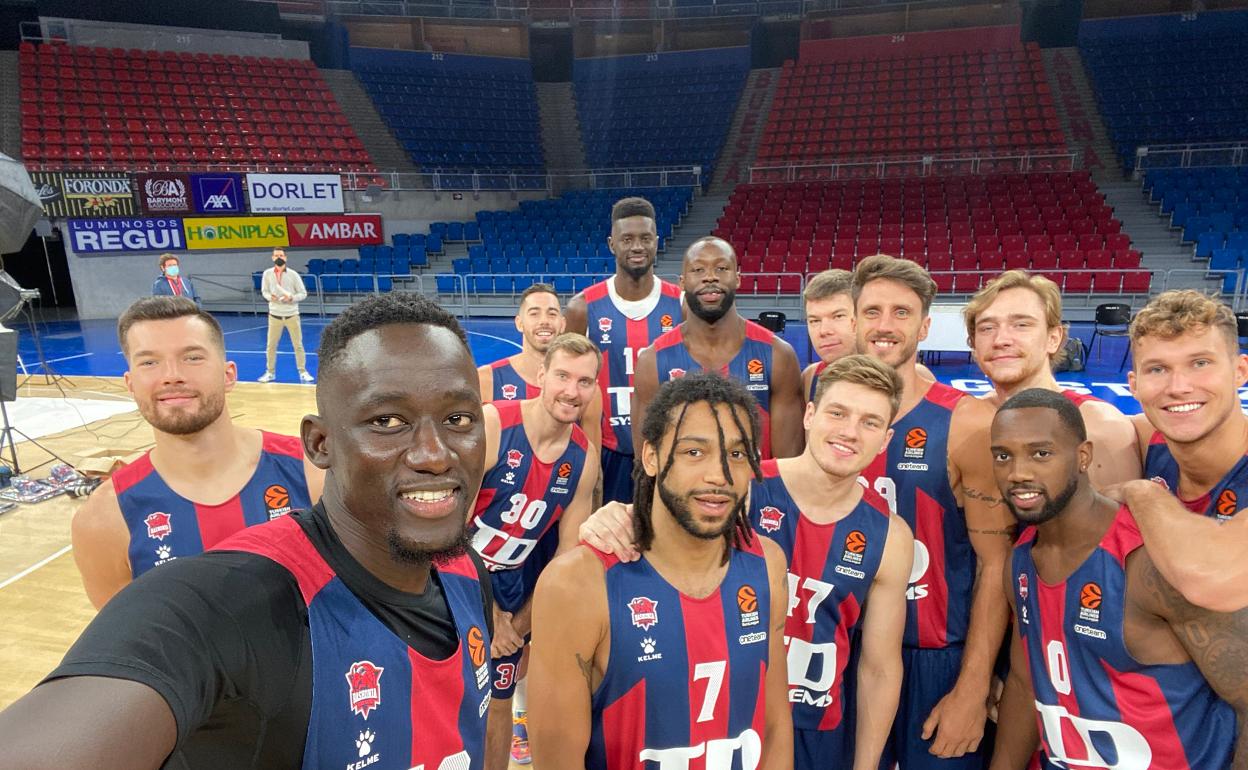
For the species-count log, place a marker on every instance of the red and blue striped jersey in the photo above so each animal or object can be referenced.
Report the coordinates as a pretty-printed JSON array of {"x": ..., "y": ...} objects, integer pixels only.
[
  {"x": 508, "y": 384},
  {"x": 1222, "y": 502},
  {"x": 1079, "y": 399},
  {"x": 912, "y": 475},
  {"x": 620, "y": 339},
  {"x": 684, "y": 687},
  {"x": 369, "y": 688},
  {"x": 814, "y": 380},
  {"x": 751, "y": 366},
  {"x": 521, "y": 499},
  {"x": 164, "y": 525},
  {"x": 1098, "y": 706},
  {"x": 831, "y": 569}
]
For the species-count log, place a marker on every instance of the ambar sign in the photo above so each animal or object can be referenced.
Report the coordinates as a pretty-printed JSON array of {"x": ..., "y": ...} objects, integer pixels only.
[
  {"x": 346, "y": 230},
  {"x": 235, "y": 232}
]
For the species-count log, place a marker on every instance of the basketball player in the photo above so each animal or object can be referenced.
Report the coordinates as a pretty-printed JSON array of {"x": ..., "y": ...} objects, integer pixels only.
[
  {"x": 628, "y": 311},
  {"x": 679, "y": 655},
  {"x": 936, "y": 473},
  {"x": 539, "y": 483},
  {"x": 1122, "y": 670},
  {"x": 1015, "y": 330},
  {"x": 206, "y": 478},
  {"x": 715, "y": 338},
  {"x": 1186, "y": 374},
  {"x": 354, "y": 634}
]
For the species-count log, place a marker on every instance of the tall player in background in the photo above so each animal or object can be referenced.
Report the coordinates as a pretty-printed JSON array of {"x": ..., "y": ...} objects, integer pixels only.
[
  {"x": 829, "y": 302},
  {"x": 1015, "y": 330},
  {"x": 678, "y": 656},
  {"x": 539, "y": 320},
  {"x": 206, "y": 478},
  {"x": 1123, "y": 671},
  {"x": 715, "y": 338},
  {"x": 936, "y": 472},
  {"x": 539, "y": 483},
  {"x": 627, "y": 312}
]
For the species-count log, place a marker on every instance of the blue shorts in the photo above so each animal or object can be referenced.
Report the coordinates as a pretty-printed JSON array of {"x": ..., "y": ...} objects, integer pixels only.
[
  {"x": 505, "y": 671},
  {"x": 929, "y": 676},
  {"x": 822, "y": 749},
  {"x": 617, "y": 477}
]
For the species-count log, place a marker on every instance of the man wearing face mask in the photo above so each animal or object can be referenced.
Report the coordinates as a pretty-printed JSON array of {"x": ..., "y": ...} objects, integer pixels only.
[
  {"x": 284, "y": 290},
  {"x": 171, "y": 282}
]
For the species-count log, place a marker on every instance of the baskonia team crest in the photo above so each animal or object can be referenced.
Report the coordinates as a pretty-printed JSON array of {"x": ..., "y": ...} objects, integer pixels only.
[
  {"x": 675, "y": 373},
  {"x": 1022, "y": 585},
  {"x": 158, "y": 525},
  {"x": 770, "y": 517},
  {"x": 510, "y": 392},
  {"x": 364, "y": 683},
  {"x": 645, "y": 612},
  {"x": 514, "y": 458},
  {"x": 604, "y": 326}
]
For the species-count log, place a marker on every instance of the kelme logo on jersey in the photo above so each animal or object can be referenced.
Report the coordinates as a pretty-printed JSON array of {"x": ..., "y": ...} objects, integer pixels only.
[
  {"x": 277, "y": 501},
  {"x": 514, "y": 458},
  {"x": 675, "y": 373},
  {"x": 855, "y": 546},
  {"x": 158, "y": 525},
  {"x": 1228, "y": 503},
  {"x": 916, "y": 443},
  {"x": 645, "y": 612},
  {"x": 747, "y": 602},
  {"x": 665, "y": 322},
  {"x": 479, "y": 656},
  {"x": 510, "y": 392},
  {"x": 754, "y": 367},
  {"x": 1090, "y": 602},
  {"x": 563, "y": 474},
  {"x": 364, "y": 687},
  {"x": 770, "y": 517}
]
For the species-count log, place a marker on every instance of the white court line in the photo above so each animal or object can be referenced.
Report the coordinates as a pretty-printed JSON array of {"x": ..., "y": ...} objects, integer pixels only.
[
  {"x": 62, "y": 358},
  {"x": 248, "y": 329},
  {"x": 309, "y": 353},
  {"x": 35, "y": 566},
  {"x": 500, "y": 339}
]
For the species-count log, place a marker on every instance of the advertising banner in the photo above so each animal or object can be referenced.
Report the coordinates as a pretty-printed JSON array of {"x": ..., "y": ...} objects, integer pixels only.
[
  {"x": 89, "y": 236},
  {"x": 295, "y": 193},
  {"x": 84, "y": 193},
  {"x": 235, "y": 232},
  {"x": 164, "y": 193},
  {"x": 341, "y": 230},
  {"x": 217, "y": 193}
]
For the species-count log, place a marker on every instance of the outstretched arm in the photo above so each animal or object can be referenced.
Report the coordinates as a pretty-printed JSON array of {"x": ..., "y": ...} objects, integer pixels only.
[
  {"x": 1116, "y": 451},
  {"x": 788, "y": 402},
  {"x": 645, "y": 386},
  {"x": 578, "y": 510},
  {"x": 1018, "y": 735},
  {"x": 880, "y": 668}
]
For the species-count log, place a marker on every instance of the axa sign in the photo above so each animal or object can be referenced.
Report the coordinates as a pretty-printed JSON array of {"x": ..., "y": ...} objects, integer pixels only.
[
  {"x": 89, "y": 236},
  {"x": 295, "y": 193},
  {"x": 217, "y": 193}
]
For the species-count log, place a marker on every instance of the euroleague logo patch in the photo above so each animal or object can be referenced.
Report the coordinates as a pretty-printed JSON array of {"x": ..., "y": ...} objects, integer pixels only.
[
  {"x": 1228, "y": 503},
  {"x": 747, "y": 602},
  {"x": 1090, "y": 602},
  {"x": 563, "y": 474},
  {"x": 479, "y": 656},
  {"x": 916, "y": 443},
  {"x": 277, "y": 500},
  {"x": 665, "y": 322},
  {"x": 756, "y": 370},
  {"x": 855, "y": 546},
  {"x": 364, "y": 687}
]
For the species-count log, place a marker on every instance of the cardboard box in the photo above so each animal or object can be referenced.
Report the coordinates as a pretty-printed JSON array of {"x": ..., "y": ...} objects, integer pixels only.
[{"x": 102, "y": 462}]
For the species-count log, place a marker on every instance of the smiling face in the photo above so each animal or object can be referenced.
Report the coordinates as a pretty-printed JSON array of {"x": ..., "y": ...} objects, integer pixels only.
[
  {"x": 178, "y": 374},
  {"x": 1012, "y": 341},
  {"x": 1036, "y": 460},
  {"x": 634, "y": 241},
  {"x": 830, "y": 324},
  {"x": 401, "y": 434},
  {"x": 890, "y": 322},
  {"x": 695, "y": 490},
  {"x": 1188, "y": 385},
  {"x": 848, "y": 428},
  {"x": 568, "y": 385},
  {"x": 710, "y": 280},
  {"x": 540, "y": 320}
]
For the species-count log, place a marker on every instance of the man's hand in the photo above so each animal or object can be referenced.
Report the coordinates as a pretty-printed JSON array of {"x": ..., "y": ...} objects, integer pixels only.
[
  {"x": 1120, "y": 492},
  {"x": 957, "y": 722},
  {"x": 505, "y": 640},
  {"x": 610, "y": 530}
]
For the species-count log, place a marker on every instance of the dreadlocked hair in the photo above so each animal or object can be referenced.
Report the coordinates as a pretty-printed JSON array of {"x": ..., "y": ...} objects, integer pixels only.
[{"x": 667, "y": 412}]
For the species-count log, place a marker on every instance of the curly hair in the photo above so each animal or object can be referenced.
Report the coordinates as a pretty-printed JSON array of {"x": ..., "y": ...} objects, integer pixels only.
[{"x": 667, "y": 412}]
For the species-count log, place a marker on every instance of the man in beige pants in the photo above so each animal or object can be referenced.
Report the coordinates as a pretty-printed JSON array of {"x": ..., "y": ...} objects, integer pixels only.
[{"x": 284, "y": 290}]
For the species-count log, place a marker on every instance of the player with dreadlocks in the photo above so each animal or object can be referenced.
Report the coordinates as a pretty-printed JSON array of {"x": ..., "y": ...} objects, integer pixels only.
[{"x": 694, "y": 627}]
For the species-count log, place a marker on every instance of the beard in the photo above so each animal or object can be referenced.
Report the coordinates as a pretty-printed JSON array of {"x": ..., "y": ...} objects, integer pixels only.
[
  {"x": 711, "y": 315},
  {"x": 1052, "y": 506},
  {"x": 636, "y": 273},
  {"x": 406, "y": 551},
  {"x": 184, "y": 423},
  {"x": 680, "y": 510}
]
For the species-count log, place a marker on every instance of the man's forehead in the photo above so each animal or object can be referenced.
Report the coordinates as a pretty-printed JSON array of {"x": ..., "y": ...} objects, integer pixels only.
[
  {"x": 701, "y": 416},
  {"x": 888, "y": 291},
  {"x": 830, "y": 303}
]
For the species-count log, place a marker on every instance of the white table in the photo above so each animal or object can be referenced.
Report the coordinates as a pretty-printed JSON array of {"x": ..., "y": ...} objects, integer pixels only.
[{"x": 947, "y": 332}]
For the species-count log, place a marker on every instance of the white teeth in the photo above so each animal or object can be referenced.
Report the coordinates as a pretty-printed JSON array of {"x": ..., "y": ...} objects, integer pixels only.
[
  {"x": 436, "y": 496},
  {"x": 1181, "y": 408},
  {"x": 1026, "y": 495},
  {"x": 884, "y": 343},
  {"x": 841, "y": 447}
]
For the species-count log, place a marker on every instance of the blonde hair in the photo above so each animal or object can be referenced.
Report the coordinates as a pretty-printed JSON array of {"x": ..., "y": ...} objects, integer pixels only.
[
  {"x": 1048, "y": 292},
  {"x": 1174, "y": 312},
  {"x": 575, "y": 345},
  {"x": 862, "y": 370},
  {"x": 903, "y": 271},
  {"x": 828, "y": 283}
]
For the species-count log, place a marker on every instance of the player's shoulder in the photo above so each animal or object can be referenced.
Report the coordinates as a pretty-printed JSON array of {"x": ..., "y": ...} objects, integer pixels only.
[
  {"x": 968, "y": 412},
  {"x": 567, "y": 576},
  {"x": 100, "y": 512},
  {"x": 282, "y": 444}
]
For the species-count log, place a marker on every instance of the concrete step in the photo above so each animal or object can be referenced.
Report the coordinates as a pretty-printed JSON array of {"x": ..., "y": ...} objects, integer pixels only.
[
  {"x": 1079, "y": 114},
  {"x": 382, "y": 146},
  {"x": 741, "y": 146},
  {"x": 561, "y": 130},
  {"x": 698, "y": 222}
]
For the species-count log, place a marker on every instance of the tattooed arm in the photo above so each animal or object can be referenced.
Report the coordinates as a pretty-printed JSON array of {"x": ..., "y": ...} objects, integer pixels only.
[
  {"x": 1216, "y": 641},
  {"x": 571, "y": 639}
]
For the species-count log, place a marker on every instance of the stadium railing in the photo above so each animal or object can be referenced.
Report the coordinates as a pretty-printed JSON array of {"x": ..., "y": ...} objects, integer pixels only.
[
  {"x": 1199, "y": 155},
  {"x": 678, "y": 176},
  {"x": 927, "y": 165}
]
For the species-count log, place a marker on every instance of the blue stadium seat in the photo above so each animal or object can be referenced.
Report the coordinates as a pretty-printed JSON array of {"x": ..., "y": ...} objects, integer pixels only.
[
  {"x": 460, "y": 266},
  {"x": 455, "y": 231},
  {"x": 385, "y": 283},
  {"x": 257, "y": 278},
  {"x": 483, "y": 284},
  {"x": 446, "y": 283},
  {"x": 309, "y": 283},
  {"x": 333, "y": 266},
  {"x": 472, "y": 231},
  {"x": 1206, "y": 242},
  {"x": 316, "y": 266},
  {"x": 563, "y": 284},
  {"x": 329, "y": 283},
  {"x": 433, "y": 244},
  {"x": 403, "y": 266}
]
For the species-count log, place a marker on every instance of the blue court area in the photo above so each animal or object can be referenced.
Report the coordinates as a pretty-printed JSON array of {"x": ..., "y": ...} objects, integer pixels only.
[{"x": 90, "y": 348}]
